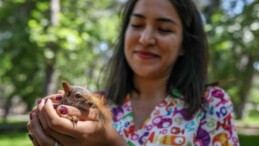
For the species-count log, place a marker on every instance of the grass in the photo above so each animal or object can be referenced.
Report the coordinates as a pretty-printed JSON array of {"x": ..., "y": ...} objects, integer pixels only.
[
  {"x": 21, "y": 139},
  {"x": 248, "y": 140},
  {"x": 14, "y": 138}
]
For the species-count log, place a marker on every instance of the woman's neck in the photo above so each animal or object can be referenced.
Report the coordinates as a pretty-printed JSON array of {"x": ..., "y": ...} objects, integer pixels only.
[{"x": 150, "y": 88}]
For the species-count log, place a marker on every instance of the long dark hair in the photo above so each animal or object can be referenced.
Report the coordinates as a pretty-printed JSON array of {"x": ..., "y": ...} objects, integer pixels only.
[{"x": 189, "y": 74}]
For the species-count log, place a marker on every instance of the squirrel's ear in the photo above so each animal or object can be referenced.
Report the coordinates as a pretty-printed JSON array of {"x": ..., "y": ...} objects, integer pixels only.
[{"x": 66, "y": 86}]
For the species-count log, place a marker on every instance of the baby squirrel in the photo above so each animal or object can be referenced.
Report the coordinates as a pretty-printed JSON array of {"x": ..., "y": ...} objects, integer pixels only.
[{"x": 83, "y": 99}]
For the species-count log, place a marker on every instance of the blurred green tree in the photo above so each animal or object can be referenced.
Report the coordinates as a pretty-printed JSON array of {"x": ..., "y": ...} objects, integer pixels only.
[
  {"x": 233, "y": 33},
  {"x": 44, "y": 42},
  {"x": 20, "y": 71}
]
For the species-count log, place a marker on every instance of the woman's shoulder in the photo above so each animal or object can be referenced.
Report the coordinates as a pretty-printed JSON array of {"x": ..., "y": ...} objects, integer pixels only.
[
  {"x": 219, "y": 107},
  {"x": 216, "y": 96},
  {"x": 218, "y": 119}
]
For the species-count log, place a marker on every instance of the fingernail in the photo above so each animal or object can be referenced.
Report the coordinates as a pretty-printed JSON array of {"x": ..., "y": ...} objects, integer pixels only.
[
  {"x": 63, "y": 110},
  {"x": 59, "y": 97},
  {"x": 31, "y": 116},
  {"x": 55, "y": 106},
  {"x": 39, "y": 101},
  {"x": 30, "y": 136},
  {"x": 46, "y": 100}
]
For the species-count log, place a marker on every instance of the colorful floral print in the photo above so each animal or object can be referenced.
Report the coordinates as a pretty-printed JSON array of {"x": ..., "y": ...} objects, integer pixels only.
[{"x": 167, "y": 124}]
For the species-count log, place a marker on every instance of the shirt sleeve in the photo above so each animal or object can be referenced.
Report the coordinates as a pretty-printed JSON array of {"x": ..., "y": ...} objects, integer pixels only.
[{"x": 217, "y": 124}]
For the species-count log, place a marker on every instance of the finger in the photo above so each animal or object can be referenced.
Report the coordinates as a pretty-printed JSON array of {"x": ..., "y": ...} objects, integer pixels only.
[
  {"x": 31, "y": 127},
  {"x": 82, "y": 115},
  {"x": 61, "y": 92},
  {"x": 38, "y": 109},
  {"x": 55, "y": 98},
  {"x": 29, "y": 122},
  {"x": 33, "y": 140},
  {"x": 63, "y": 139},
  {"x": 43, "y": 119},
  {"x": 50, "y": 120},
  {"x": 34, "y": 109},
  {"x": 40, "y": 113},
  {"x": 40, "y": 105},
  {"x": 30, "y": 135},
  {"x": 39, "y": 135}
]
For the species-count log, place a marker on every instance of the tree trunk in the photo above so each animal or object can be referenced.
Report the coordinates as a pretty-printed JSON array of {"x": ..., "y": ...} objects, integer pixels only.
[
  {"x": 247, "y": 78},
  {"x": 7, "y": 106},
  {"x": 55, "y": 8},
  {"x": 50, "y": 75}
]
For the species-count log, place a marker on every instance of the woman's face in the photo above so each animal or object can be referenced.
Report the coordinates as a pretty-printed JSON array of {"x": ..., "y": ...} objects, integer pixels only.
[{"x": 153, "y": 38}]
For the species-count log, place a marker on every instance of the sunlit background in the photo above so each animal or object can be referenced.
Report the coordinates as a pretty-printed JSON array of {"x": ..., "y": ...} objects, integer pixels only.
[{"x": 47, "y": 41}]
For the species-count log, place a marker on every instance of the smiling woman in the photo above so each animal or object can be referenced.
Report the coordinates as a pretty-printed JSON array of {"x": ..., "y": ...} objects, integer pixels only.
[{"x": 156, "y": 87}]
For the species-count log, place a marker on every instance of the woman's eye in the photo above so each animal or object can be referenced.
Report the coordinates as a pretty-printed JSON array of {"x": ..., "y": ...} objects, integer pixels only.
[
  {"x": 165, "y": 30},
  {"x": 136, "y": 25}
]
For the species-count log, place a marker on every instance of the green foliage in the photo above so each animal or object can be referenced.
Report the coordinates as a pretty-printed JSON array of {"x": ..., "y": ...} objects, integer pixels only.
[
  {"x": 254, "y": 96},
  {"x": 83, "y": 40},
  {"x": 25, "y": 35},
  {"x": 18, "y": 61},
  {"x": 234, "y": 45}
]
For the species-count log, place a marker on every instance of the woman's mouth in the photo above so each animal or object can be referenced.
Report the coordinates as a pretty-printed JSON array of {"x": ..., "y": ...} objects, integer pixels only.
[{"x": 145, "y": 55}]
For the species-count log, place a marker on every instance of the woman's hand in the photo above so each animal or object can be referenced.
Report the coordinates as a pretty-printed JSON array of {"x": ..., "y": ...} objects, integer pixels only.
[
  {"x": 36, "y": 132},
  {"x": 48, "y": 127}
]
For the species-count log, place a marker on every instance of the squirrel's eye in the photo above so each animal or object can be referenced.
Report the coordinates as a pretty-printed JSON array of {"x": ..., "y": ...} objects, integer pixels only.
[
  {"x": 78, "y": 95},
  {"x": 90, "y": 104}
]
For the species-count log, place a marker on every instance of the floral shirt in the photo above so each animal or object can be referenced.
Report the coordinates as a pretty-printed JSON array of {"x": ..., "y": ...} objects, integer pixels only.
[{"x": 166, "y": 124}]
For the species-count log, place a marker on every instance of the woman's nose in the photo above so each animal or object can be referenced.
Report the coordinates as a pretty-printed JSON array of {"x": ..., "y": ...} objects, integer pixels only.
[{"x": 147, "y": 37}]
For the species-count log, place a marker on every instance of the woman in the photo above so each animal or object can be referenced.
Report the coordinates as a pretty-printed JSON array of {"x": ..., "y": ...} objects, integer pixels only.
[{"x": 157, "y": 83}]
